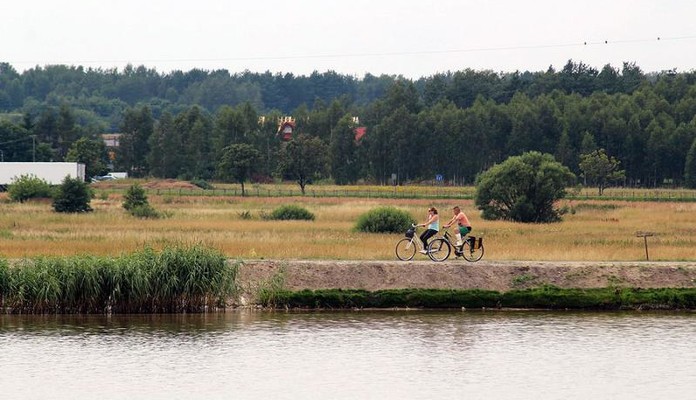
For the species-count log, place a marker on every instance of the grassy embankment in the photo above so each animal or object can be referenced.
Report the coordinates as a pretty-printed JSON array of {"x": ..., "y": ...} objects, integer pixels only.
[
  {"x": 539, "y": 298},
  {"x": 592, "y": 231},
  {"x": 70, "y": 263},
  {"x": 197, "y": 279}
]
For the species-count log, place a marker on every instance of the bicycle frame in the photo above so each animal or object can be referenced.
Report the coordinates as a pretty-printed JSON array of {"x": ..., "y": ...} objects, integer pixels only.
[
  {"x": 440, "y": 249},
  {"x": 406, "y": 248}
]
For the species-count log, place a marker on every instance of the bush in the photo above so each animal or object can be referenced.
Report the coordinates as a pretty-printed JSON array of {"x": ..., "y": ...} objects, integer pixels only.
[
  {"x": 135, "y": 201},
  {"x": 523, "y": 188},
  {"x": 385, "y": 220},
  {"x": 145, "y": 211},
  {"x": 135, "y": 197},
  {"x": 203, "y": 184},
  {"x": 245, "y": 215},
  {"x": 73, "y": 196},
  {"x": 29, "y": 187},
  {"x": 290, "y": 212}
]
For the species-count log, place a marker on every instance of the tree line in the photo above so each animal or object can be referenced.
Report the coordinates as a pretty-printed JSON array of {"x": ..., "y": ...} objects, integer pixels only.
[{"x": 455, "y": 125}]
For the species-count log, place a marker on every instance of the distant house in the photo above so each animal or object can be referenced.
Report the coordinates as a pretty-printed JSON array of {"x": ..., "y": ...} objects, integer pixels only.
[
  {"x": 111, "y": 140},
  {"x": 286, "y": 126}
]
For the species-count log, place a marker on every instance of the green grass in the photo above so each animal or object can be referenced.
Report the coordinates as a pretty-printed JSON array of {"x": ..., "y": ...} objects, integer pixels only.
[{"x": 547, "y": 297}]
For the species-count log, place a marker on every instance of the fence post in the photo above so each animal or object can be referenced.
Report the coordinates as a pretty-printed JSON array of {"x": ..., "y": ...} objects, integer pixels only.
[{"x": 645, "y": 236}]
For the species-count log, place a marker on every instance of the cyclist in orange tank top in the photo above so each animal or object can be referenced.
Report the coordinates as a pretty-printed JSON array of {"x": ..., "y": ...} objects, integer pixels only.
[{"x": 462, "y": 221}]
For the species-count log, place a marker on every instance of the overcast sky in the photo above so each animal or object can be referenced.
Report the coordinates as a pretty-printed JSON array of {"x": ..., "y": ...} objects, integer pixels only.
[{"x": 411, "y": 38}]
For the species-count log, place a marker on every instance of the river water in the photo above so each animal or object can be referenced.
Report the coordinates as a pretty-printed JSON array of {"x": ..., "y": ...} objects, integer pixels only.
[{"x": 350, "y": 355}]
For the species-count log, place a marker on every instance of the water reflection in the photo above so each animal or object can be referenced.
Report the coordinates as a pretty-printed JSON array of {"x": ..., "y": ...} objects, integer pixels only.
[{"x": 375, "y": 354}]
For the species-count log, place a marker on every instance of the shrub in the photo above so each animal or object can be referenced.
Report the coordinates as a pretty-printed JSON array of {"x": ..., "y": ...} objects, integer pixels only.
[
  {"x": 29, "y": 187},
  {"x": 384, "y": 220},
  {"x": 135, "y": 201},
  {"x": 135, "y": 197},
  {"x": 203, "y": 184},
  {"x": 145, "y": 211},
  {"x": 73, "y": 196},
  {"x": 523, "y": 188},
  {"x": 245, "y": 215},
  {"x": 290, "y": 212}
]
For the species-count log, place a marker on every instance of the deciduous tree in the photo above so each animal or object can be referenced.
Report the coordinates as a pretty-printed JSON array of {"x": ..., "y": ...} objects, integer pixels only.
[
  {"x": 238, "y": 162},
  {"x": 303, "y": 158},
  {"x": 523, "y": 188},
  {"x": 600, "y": 169}
]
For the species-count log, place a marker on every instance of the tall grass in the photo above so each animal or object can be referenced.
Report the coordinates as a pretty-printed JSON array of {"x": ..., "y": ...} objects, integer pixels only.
[
  {"x": 176, "y": 279},
  {"x": 594, "y": 231}
]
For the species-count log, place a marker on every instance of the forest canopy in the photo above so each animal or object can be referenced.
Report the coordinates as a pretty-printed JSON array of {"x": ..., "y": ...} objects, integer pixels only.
[{"x": 455, "y": 124}]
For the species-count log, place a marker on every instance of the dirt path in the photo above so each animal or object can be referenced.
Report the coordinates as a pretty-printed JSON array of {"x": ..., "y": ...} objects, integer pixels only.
[{"x": 499, "y": 275}]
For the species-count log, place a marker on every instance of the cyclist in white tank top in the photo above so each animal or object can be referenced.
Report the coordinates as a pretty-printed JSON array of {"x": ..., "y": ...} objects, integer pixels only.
[{"x": 433, "y": 224}]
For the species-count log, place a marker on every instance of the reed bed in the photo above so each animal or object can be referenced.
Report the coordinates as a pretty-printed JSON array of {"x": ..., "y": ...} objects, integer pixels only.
[
  {"x": 592, "y": 230},
  {"x": 176, "y": 279}
]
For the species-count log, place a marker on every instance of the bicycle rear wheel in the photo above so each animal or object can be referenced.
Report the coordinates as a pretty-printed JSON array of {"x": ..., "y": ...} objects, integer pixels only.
[
  {"x": 405, "y": 249},
  {"x": 439, "y": 250},
  {"x": 470, "y": 254}
]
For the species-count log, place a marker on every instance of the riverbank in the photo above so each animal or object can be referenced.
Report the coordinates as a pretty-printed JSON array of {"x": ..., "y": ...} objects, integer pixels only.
[{"x": 302, "y": 283}]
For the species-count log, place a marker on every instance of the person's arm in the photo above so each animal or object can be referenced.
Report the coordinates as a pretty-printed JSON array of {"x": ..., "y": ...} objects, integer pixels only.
[
  {"x": 430, "y": 219},
  {"x": 448, "y": 224}
]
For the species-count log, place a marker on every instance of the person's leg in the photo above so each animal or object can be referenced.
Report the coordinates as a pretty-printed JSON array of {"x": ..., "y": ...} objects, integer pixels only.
[
  {"x": 424, "y": 238},
  {"x": 427, "y": 235},
  {"x": 463, "y": 231}
]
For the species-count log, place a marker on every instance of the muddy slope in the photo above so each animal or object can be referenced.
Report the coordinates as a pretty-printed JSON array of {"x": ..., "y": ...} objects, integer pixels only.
[{"x": 500, "y": 276}]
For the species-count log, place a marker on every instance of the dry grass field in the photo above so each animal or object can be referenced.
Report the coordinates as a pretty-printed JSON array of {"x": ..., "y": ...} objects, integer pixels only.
[{"x": 595, "y": 230}]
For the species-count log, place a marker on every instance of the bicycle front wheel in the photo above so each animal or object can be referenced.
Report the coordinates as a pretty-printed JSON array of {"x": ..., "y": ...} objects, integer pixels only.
[
  {"x": 439, "y": 250},
  {"x": 470, "y": 254},
  {"x": 405, "y": 249}
]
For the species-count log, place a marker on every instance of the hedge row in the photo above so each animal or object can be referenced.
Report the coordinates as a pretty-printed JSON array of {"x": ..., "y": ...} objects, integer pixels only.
[{"x": 548, "y": 297}]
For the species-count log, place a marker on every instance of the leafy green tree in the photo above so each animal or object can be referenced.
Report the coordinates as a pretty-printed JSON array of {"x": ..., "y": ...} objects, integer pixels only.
[
  {"x": 68, "y": 131},
  {"x": 196, "y": 158},
  {"x": 229, "y": 127},
  {"x": 164, "y": 146},
  {"x": 588, "y": 143},
  {"x": 690, "y": 167},
  {"x": 344, "y": 167},
  {"x": 238, "y": 162},
  {"x": 137, "y": 127},
  {"x": 526, "y": 125},
  {"x": 600, "y": 169},
  {"x": 15, "y": 142},
  {"x": 92, "y": 153},
  {"x": 73, "y": 196},
  {"x": 523, "y": 188},
  {"x": 303, "y": 158}
]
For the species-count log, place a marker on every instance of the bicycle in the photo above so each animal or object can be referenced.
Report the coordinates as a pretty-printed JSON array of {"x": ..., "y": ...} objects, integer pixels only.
[
  {"x": 406, "y": 248},
  {"x": 471, "y": 248}
]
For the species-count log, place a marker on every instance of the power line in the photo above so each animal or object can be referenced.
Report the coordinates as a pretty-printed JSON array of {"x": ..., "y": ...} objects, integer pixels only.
[{"x": 381, "y": 54}]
